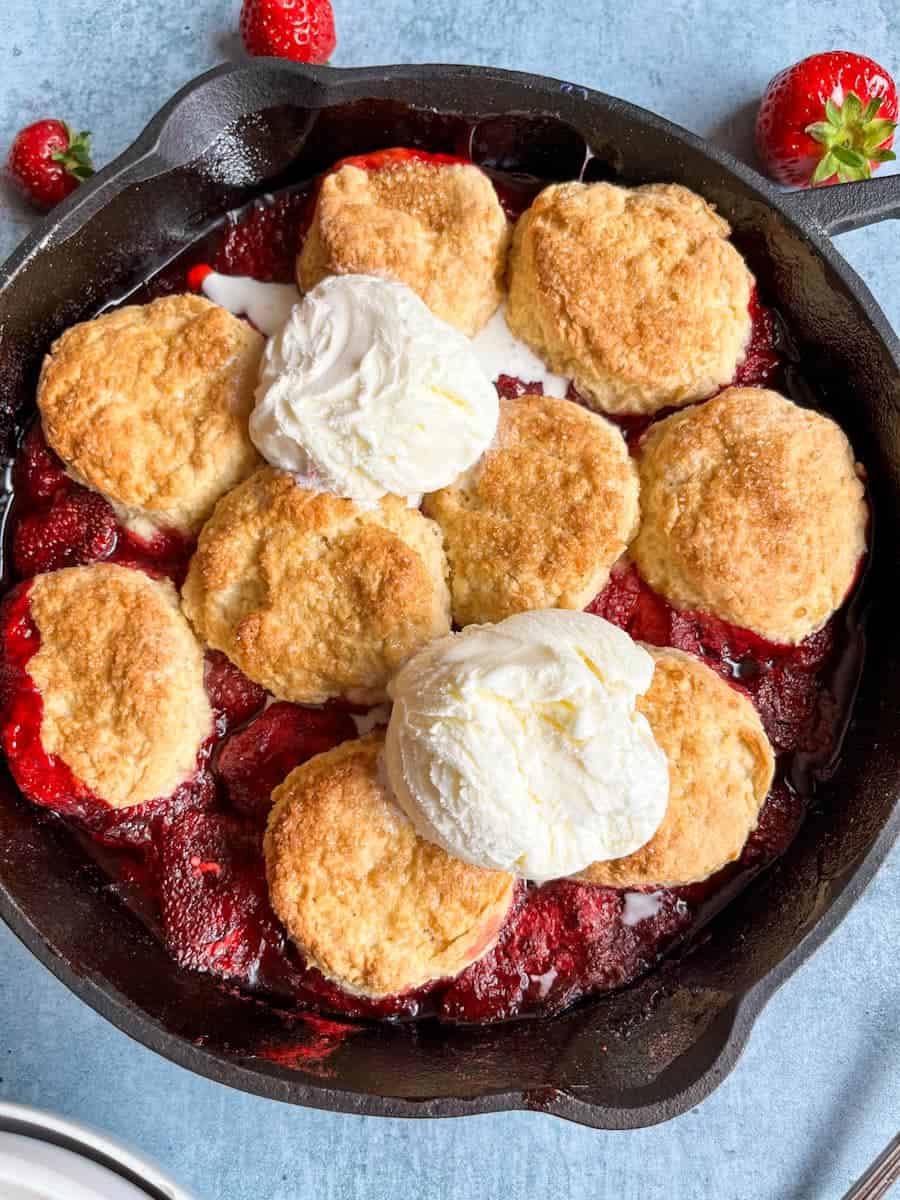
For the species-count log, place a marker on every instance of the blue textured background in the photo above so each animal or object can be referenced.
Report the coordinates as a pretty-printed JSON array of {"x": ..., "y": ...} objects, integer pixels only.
[{"x": 816, "y": 1094}]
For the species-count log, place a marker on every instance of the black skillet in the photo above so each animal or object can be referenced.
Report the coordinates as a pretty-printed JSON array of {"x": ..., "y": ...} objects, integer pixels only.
[{"x": 660, "y": 1046}]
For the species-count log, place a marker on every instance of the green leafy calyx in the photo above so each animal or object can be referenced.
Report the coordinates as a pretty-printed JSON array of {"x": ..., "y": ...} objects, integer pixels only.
[
  {"x": 76, "y": 158},
  {"x": 852, "y": 137}
]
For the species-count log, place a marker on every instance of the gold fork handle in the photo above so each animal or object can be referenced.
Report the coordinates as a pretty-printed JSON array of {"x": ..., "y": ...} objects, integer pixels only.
[{"x": 880, "y": 1177}]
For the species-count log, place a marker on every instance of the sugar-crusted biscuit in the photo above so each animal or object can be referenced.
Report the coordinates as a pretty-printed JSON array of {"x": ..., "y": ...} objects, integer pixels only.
[
  {"x": 369, "y": 903},
  {"x": 720, "y": 771},
  {"x": 438, "y": 228},
  {"x": 539, "y": 521},
  {"x": 149, "y": 405},
  {"x": 121, "y": 679},
  {"x": 752, "y": 509},
  {"x": 313, "y": 596},
  {"x": 634, "y": 293}
]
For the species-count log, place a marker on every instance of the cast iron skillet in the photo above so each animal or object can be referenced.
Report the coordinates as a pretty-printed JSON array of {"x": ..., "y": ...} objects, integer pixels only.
[{"x": 660, "y": 1046}]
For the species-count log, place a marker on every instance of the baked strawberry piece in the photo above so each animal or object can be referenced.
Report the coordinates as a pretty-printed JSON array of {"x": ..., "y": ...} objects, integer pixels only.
[
  {"x": 39, "y": 473},
  {"x": 63, "y": 524},
  {"x": 380, "y": 160},
  {"x": 234, "y": 697},
  {"x": 312, "y": 988},
  {"x": 257, "y": 758},
  {"x": 762, "y": 358},
  {"x": 215, "y": 906},
  {"x": 144, "y": 827},
  {"x": 78, "y": 528},
  {"x": 510, "y": 388},
  {"x": 780, "y": 819},
  {"x": 264, "y": 240}
]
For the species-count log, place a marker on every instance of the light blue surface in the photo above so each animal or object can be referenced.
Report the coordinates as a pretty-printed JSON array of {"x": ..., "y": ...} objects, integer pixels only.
[{"x": 815, "y": 1096}]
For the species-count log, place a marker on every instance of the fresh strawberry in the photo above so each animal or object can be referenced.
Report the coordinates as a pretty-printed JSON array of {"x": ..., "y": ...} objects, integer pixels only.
[
  {"x": 302, "y": 30},
  {"x": 827, "y": 119},
  {"x": 48, "y": 160},
  {"x": 79, "y": 527}
]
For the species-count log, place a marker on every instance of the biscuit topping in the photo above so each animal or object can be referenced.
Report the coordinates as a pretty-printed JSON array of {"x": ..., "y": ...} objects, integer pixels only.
[
  {"x": 518, "y": 746},
  {"x": 634, "y": 293},
  {"x": 148, "y": 405},
  {"x": 376, "y": 908},
  {"x": 752, "y": 508},
  {"x": 434, "y": 225},
  {"x": 656, "y": 762},
  {"x": 366, "y": 393},
  {"x": 121, "y": 679},
  {"x": 720, "y": 770}
]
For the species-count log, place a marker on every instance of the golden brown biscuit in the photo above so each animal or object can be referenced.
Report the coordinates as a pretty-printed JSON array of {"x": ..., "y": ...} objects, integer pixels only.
[
  {"x": 121, "y": 678},
  {"x": 751, "y": 509},
  {"x": 720, "y": 771},
  {"x": 149, "y": 405},
  {"x": 539, "y": 521},
  {"x": 634, "y": 293},
  {"x": 312, "y": 596},
  {"x": 438, "y": 228},
  {"x": 369, "y": 903}
]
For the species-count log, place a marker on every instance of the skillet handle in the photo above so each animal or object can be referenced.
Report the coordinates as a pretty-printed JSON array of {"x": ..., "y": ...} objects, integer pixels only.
[{"x": 846, "y": 206}]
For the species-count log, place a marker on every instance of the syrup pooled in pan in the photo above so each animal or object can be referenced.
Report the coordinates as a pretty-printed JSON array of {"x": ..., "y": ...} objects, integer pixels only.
[{"x": 191, "y": 866}]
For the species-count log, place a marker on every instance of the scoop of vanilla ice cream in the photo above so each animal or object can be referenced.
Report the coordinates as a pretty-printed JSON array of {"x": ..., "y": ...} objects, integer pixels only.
[
  {"x": 518, "y": 746},
  {"x": 365, "y": 392}
]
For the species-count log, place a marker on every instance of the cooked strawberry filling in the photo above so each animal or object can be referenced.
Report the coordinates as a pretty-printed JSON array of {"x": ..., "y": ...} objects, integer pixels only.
[
  {"x": 265, "y": 241},
  {"x": 192, "y": 864},
  {"x": 58, "y": 523},
  {"x": 378, "y": 160},
  {"x": 255, "y": 759}
]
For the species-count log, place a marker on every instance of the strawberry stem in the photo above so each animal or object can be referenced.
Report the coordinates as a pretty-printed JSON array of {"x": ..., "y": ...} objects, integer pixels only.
[
  {"x": 853, "y": 138},
  {"x": 76, "y": 158}
]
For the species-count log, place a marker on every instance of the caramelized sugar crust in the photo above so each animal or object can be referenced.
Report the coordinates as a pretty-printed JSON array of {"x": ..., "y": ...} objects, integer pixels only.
[
  {"x": 437, "y": 228},
  {"x": 371, "y": 904},
  {"x": 149, "y": 405},
  {"x": 634, "y": 293},
  {"x": 539, "y": 521},
  {"x": 312, "y": 596},
  {"x": 121, "y": 678}
]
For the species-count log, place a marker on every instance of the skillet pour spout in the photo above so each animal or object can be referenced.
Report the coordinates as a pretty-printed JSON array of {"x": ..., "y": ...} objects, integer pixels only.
[{"x": 653, "y": 1050}]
